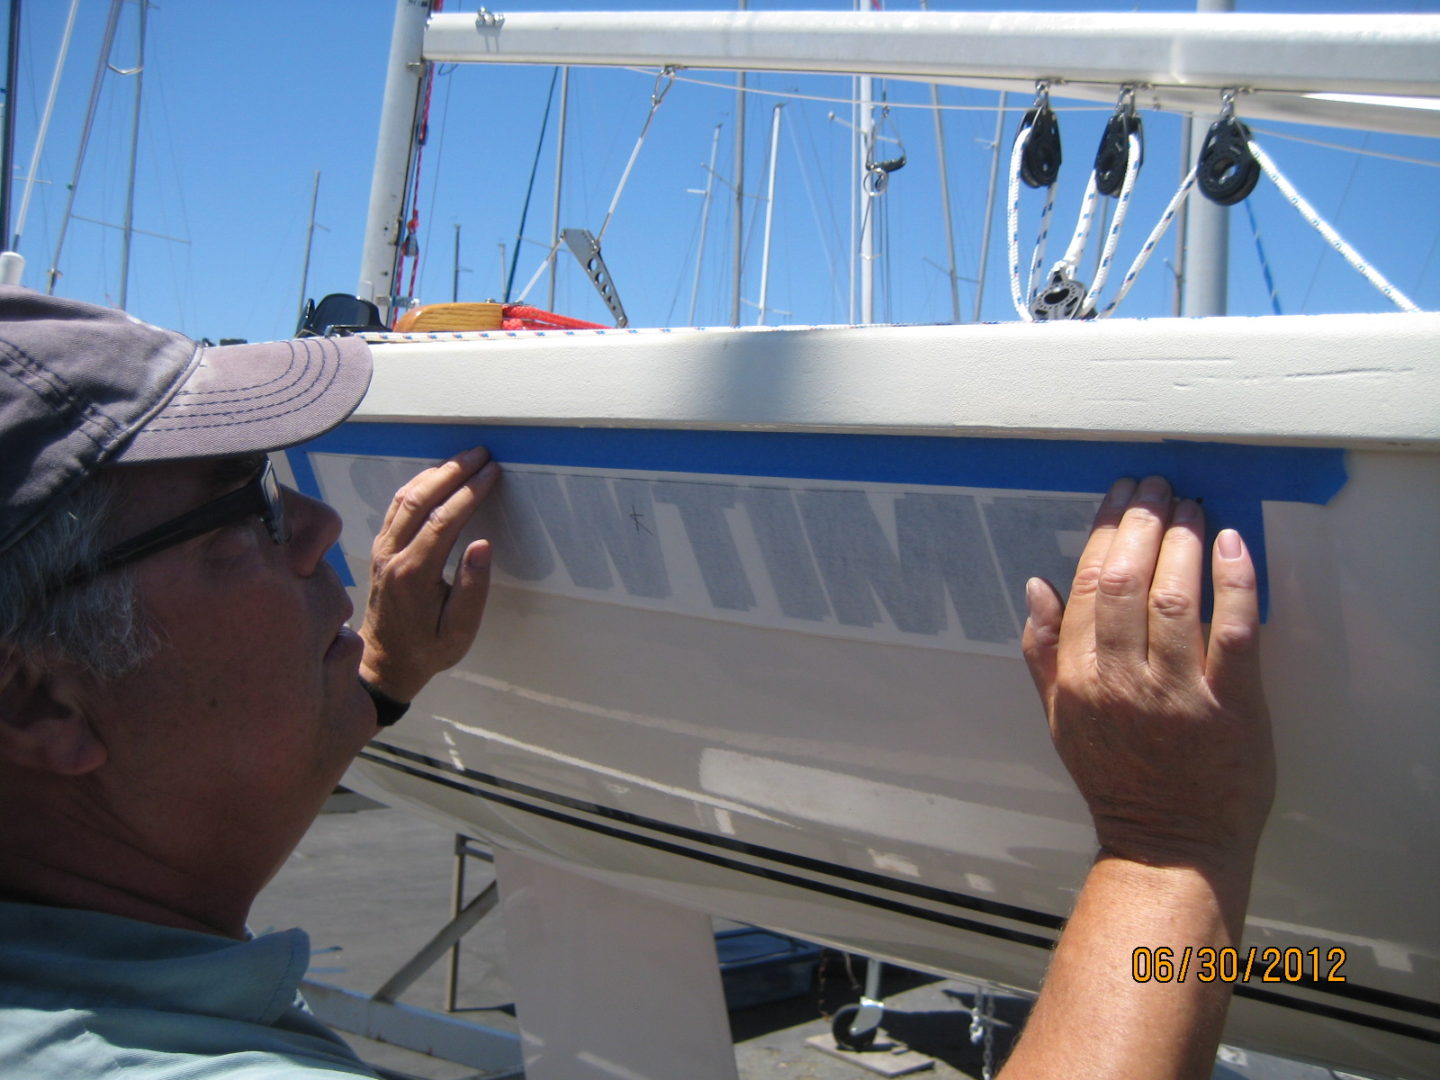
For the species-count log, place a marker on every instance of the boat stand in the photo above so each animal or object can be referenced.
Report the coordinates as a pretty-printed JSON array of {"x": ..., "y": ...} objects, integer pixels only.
[
  {"x": 610, "y": 982},
  {"x": 602, "y": 975},
  {"x": 381, "y": 1016}
]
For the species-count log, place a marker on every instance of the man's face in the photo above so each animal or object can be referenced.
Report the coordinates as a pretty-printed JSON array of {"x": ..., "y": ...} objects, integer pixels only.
[{"x": 236, "y": 730}]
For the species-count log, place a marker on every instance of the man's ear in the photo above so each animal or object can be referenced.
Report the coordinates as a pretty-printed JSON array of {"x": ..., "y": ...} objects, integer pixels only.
[{"x": 43, "y": 725}]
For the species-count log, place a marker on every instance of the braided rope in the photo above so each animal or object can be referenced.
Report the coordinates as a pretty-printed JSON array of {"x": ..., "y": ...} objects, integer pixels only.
[
  {"x": 1012, "y": 225},
  {"x": 1150, "y": 242},
  {"x": 1336, "y": 241},
  {"x": 1081, "y": 236},
  {"x": 1112, "y": 239},
  {"x": 528, "y": 317}
]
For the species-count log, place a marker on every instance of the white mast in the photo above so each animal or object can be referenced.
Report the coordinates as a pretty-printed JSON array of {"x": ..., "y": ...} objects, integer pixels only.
[
  {"x": 867, "y": 206},
  {"x": 704, "y": 221},
  {"x": 45, "y": 120},
  {"x": 100, "y": 69},
  {"x": 945, "y": 194},
  {"x": 769, "y": 212},
  {"x": 990, "y": 205},
  {"x": 1207, "y": 224},
  {"x": 383, "y": 227},
  {"x": 128, "y": 229},
  {"x": 738, "y": 256}
]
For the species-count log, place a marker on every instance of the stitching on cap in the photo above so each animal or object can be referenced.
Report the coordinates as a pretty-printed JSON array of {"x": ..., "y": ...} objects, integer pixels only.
[
  {"x": 56, "y": 391},
  {"x": 297, "y": 392},
  {"x": 268, "y": 413},
  {"x": 279, "y": 377}
]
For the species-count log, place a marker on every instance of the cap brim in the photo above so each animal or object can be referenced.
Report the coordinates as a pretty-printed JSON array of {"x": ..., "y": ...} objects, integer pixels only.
[{"x": 242, "y": 399}]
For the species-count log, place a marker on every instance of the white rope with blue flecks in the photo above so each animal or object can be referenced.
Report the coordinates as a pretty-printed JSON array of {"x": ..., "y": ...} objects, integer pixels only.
[
  {"x": 1081, "y": 236},
  {"x": 1335, "y": 240},
  {"x": 1151, "y": 241},
  {"x": 1122, "y": 207}
]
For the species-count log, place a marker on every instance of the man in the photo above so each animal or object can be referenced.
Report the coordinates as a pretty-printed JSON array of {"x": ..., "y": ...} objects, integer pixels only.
[
  {"x": 178, "y": 690},
  {"x": 179, "y": 694}
]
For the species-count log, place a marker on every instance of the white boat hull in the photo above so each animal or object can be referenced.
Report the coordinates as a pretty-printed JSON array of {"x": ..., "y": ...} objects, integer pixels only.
[{"x": 752, "y": 646}]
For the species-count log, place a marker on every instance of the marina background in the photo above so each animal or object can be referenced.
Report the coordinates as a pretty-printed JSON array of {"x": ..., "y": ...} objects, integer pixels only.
[{"x": 243, "y": 104}]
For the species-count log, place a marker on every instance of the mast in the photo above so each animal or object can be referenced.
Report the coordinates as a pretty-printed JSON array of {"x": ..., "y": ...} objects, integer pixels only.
[
  {"x": 1207, "y": 226},
  {"x": 945, "y": 194},
  {"x": 100, "y": 67},
  {"x": 45, "y": 122},
  {"x": 7, "y": 140},
  {"x": 404, "y": 78},
  {"x": 990, "y": 204},
  {"x": 309, "y": 239},
  {"x": 769, "y": 211},
  {"x": 738, "y": 257},
  {"x": 128, "y": 231},
  {"x": 704, "y": 221},
  {"x": 455, "y": 273},
  {"x": 950, "y": 271},
  {"x": 867, "y": 205},
  {"x": 12, "y": 264}
]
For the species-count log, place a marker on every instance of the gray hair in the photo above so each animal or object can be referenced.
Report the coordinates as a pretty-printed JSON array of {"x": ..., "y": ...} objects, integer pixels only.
[{"x": 95, "y": 625}]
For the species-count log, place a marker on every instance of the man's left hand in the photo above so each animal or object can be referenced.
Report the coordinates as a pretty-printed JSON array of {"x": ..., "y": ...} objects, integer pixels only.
[{"x": 417, "y": 624}]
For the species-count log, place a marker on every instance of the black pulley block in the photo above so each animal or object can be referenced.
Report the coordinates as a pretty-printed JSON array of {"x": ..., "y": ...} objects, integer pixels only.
[
  {"x": 1112, "y": 159},
  {"x": 1040, "y": 160},
  {"x": 1226, "y": 171}
]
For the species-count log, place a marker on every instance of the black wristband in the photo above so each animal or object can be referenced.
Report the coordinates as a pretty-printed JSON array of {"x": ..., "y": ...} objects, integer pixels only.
[{"x": 387, "y": 709}]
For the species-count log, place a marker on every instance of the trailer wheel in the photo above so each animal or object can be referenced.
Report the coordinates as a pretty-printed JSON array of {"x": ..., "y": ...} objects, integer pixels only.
[{"x": 840, "y": 1028}]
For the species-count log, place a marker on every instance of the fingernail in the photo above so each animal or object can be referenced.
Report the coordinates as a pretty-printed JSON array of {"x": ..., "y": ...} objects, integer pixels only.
[
  {"x": 1037, "y": 592},
  {"x": 1120, "y": 491},
  {"x": 1032, "y": 592},
  {"x": 477, "y": 557},
  {"x": 1153, "y": 489},
  {"x": 1229, "y": 544},
  {"x": 1187, "y": 511}
]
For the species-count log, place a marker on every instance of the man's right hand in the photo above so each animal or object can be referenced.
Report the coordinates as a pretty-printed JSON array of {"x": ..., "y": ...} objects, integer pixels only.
[
  {"x": 1168, "y": 741},
  {"x": 1169, "y": 744}
]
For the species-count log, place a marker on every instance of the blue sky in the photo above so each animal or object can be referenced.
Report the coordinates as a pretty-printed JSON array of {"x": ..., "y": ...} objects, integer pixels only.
[{"x": 245, "y": 102}]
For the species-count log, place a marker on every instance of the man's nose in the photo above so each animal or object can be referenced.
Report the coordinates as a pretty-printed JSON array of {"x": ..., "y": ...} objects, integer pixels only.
[{"x": 314, "y": 527}]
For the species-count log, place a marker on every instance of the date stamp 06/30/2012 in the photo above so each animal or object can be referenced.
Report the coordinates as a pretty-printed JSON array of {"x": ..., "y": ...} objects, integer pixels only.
[{"x": 1207, "y": 964}]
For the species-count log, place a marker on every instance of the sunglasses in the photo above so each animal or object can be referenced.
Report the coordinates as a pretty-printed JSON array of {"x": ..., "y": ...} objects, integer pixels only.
[{"x": 260, "y": 497}]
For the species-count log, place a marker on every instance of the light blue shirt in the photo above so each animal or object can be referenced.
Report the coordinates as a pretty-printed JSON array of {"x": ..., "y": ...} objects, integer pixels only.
[{"x": 89, "y": 995}]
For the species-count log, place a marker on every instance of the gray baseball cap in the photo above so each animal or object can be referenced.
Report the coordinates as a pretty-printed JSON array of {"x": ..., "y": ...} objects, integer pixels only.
[{"x": 83, "y": 386}]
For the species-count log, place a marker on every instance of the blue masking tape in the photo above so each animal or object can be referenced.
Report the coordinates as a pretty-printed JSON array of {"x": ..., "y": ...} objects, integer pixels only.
[{"x": 1232, "y": 480}]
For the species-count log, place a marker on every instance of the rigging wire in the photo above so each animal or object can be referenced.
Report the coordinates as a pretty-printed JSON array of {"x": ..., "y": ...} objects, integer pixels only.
[
  {"x": 664, "y": 80},
  {"x": 441, "y": 71},
  {"x": 530, "y": 187},
  {"x": 1339, "y": 209},
  {"x": 409, "y": 247},
  {"x": 815, "y": 212},
  {"x": 1359, "y": 150},
  {"x": 831, "y": 100}
]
